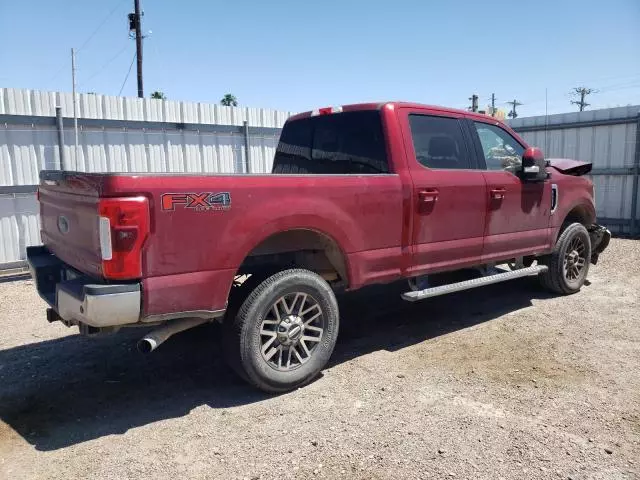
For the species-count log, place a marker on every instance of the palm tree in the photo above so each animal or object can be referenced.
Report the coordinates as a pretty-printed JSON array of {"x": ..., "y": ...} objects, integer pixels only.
[
  {"x": 229, "y": 100},
  {"x": 158, "y": 95}
]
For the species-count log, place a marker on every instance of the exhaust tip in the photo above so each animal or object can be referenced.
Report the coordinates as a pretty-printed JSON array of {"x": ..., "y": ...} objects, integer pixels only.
[{"x": 147, "y": 345}]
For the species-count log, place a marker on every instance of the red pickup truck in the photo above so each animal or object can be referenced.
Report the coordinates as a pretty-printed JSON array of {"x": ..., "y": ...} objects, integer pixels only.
[{"x": 359, "y": 195}]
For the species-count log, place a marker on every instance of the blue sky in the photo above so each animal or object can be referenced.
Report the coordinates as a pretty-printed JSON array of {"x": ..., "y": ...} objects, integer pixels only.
[{"x": 297, "y": 55}]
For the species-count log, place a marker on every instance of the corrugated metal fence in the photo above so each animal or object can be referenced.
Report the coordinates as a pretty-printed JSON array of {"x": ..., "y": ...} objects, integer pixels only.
[
  {"x": 118, "y": 134},
  {"x": 610, "y": 139}
]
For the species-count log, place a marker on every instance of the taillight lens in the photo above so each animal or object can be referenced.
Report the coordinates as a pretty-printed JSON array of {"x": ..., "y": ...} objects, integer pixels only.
[{"x": 123, "y": 227}]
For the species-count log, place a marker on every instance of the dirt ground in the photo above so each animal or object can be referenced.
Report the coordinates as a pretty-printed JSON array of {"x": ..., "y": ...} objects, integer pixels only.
[{"x": 501, "y": 382}]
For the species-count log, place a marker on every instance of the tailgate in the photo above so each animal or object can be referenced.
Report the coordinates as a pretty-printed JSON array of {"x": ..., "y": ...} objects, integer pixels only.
[{"x": 69, "y": 218}]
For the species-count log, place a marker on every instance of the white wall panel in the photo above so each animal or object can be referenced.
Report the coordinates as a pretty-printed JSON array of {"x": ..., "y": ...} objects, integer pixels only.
[
  {"x": 606, "y": 146},
  {"x": 27, "y": 149},
  {"x": 19, "y": 226}
]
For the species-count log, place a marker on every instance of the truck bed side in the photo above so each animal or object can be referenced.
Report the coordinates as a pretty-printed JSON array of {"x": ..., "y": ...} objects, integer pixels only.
[{"x": 193, "y": 252}]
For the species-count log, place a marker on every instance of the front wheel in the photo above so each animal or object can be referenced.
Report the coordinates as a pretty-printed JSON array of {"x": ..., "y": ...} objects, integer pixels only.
[
  {"x": 569, "y": 262},
  {"x": 285, "y": 331}
]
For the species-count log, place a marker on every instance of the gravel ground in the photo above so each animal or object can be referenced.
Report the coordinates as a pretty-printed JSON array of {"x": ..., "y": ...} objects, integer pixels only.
[{"x": 500, "y": 382}]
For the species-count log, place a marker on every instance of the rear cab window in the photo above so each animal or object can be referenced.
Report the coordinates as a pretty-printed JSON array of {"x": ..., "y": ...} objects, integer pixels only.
[{"x": 337, "y": 143}]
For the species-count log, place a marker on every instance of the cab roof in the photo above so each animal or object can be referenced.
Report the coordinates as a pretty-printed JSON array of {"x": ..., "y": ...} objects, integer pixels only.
[{"x": 379, "y": 105}]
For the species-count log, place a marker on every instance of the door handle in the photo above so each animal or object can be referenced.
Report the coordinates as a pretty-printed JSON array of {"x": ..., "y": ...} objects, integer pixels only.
[
  {"x": 428, "y": 195},
  {"x": 497, "y": 193}
]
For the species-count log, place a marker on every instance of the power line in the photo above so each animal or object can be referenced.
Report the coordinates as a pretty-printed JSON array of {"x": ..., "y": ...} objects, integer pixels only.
[
  {"x": 84, "y": 44},
  {"x": 620, "y": 86},
  {"x": 100, "y": 26},
  {"x": 128, "y": 73},
  {"x": 106, "y": 64}
]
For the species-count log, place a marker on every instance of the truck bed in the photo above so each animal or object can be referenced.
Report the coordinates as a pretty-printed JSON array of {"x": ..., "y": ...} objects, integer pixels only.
[{"x": 203, "y": 226}]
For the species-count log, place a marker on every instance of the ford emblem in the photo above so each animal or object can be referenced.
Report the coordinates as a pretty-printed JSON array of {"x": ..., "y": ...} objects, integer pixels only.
[{"x": 63, "y": 224}]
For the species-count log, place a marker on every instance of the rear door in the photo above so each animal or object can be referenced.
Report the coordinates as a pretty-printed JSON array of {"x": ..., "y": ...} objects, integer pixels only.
[
  {"x": 449, "y": 192},
  {"x": 518, "y": 214}
]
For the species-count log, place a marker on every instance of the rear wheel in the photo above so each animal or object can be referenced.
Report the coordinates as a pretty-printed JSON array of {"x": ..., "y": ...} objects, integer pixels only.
[
  {"x": 284, "y": 332},
  {"x": 569, "y": 262}
]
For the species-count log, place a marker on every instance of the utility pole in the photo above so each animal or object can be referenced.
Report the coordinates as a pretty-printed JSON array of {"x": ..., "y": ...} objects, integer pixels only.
[
  {"x": 75, "y": 102},
  {"x": 583, "y": 92},
  {"x": 135, "y": 26},
  {"x": 514, "y": 103},
  {"x": 493, "y": 104},
  {"x": 474, "y": 103}
]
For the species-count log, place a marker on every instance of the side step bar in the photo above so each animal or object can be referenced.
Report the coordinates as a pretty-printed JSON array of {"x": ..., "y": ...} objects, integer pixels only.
[{"x": 476, "y": 282}]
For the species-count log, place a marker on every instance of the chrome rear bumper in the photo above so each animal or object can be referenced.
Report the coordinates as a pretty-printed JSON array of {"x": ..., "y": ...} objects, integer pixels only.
[{"x": 79, "y": 299}]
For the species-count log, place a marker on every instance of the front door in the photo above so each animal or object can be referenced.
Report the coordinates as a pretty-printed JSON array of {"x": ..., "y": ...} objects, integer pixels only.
[
  {"x": 518, "y": 214},
  {"x": 449, "y": 198}
]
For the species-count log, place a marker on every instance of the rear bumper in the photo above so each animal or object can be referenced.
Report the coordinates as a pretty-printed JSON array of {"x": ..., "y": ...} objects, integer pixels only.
[{"x": 79, "y": 299}]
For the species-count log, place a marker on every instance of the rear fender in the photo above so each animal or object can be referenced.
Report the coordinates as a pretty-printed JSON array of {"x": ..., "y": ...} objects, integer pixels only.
[{"x": 337, "y": 226}]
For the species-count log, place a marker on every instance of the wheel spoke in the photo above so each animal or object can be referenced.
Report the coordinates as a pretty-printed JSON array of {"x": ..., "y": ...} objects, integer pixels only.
[
  {"x": 312, "y": 307},
  {"x": 283, "y": 301},
  {"x": 269, "y": 322},
  {"x": 276, "y": 310},
  {"x": 271, "y": 333},
  {"x": 310, "y": 339},
  {"x": 307, "y": 322},
  {"x": 310, "y": 332},
  {"x": 270, "y": 353},
  {"x": 295, "y": 351},
  {"x": 313, "y": 329},
  {"x": 289, "y": 358},
  {"x": 280, "y": 356},
  {"x": 302, "y": 303},
  {"x": 304, "y": 346},
  {"x": 267, "y": 344}
]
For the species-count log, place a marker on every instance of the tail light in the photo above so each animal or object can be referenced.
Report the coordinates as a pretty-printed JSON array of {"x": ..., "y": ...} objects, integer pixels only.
[{"x": 123, "y": 227}]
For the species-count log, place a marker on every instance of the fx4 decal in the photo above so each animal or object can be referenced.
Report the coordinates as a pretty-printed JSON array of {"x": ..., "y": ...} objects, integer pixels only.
[{"x": 200, "y": 202}]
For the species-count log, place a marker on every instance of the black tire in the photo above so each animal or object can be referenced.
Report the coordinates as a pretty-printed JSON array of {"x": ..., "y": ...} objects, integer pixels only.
[
  {"x": 556, "y": 278},
  {"x": 244, "y": 341}
]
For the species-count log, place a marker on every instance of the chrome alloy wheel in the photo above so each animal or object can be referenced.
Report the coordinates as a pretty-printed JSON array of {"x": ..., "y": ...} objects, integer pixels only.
[
  {"x": 291, "y": 331},
  {"x": 574, "y": 259}
]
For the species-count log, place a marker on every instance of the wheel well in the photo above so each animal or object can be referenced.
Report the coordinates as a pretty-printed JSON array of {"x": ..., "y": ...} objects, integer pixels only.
[
  {"x": 579, "y": 214},
  {"x": 298, "y": 248}
]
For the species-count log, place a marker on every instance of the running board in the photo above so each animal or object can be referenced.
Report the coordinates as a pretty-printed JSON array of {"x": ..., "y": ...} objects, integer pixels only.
[{"x": 476, "y": 282}]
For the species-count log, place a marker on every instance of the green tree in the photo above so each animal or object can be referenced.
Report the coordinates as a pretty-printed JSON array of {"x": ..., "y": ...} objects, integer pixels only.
[
  {"x": 158, "y": 95},
  {"x": 229, "y": 100}
]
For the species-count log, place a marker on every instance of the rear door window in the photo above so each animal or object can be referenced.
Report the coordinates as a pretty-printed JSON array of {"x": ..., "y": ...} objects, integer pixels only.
[
  {"x": 439, "y": 143},
  {"x": 339, "y": 143}
]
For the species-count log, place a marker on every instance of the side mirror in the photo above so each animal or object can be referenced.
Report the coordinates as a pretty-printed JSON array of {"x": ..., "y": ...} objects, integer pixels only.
[{"x": 534, "y": 166}]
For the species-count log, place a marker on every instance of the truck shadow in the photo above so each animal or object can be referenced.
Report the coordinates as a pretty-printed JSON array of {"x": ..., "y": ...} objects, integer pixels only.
[{"x": 70, "y": 390}]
